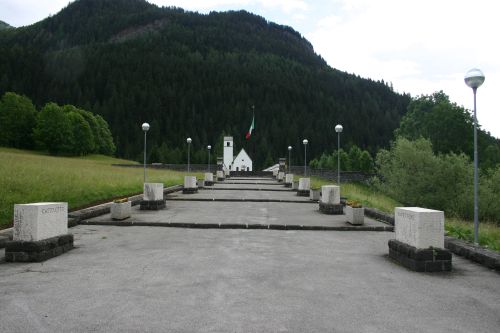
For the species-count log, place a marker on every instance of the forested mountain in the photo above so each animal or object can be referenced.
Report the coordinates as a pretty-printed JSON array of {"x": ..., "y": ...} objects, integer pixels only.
[
  {"x": 4, "y": 25},
  {"x": 189, "y": 74}
]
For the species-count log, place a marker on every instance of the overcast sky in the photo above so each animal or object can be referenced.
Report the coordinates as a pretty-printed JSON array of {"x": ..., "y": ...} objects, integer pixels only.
[{"x": 420, "y": 46}]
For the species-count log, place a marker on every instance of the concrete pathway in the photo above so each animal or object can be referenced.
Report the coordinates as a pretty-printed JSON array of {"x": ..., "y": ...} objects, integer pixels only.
[{"x": 154, "y": 279}]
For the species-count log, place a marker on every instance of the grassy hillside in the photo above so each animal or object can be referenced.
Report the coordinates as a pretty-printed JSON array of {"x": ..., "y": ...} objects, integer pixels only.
[{"x": 32, "y": 177}]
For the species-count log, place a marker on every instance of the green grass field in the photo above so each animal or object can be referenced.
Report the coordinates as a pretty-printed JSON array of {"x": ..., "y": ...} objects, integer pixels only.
[{"x": 33, "y": 177}]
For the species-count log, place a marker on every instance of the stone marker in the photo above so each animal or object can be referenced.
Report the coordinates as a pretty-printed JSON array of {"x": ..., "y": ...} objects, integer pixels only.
[
  {"x": 295, "y": 185},
  {"x": 330, "y": 200},
  {"x": 40, "y": 232},
  {"x": 419, "y": 243},
  {"x": 190, "y": 185},
  {"x": 355, "y": 215},
  {"x": 220, "y": 175},
  {"x": 275, "y": 173},
  {"x": 209, "y": 179},
  {"x": 288, "y": 180},
  {"x": 121, "y": 210},
  {"x": 227, "y": 173},
  {"x": 153, "y": 197},
  {"x": 304, "y": 187}
]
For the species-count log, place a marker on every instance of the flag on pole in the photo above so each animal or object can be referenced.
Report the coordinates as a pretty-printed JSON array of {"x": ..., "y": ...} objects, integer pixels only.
[{"x": 252, "y": 127}]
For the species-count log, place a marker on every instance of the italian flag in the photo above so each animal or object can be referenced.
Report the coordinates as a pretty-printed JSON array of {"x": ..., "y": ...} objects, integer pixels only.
[{"x": 252, "y": 127}]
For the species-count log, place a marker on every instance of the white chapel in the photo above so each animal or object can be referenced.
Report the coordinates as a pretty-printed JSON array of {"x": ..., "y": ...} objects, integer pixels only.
[{"x": 242, "y": 162}]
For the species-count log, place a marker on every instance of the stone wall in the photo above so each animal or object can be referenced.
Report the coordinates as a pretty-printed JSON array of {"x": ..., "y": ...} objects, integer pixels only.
[{"x": 345, "y": 176}]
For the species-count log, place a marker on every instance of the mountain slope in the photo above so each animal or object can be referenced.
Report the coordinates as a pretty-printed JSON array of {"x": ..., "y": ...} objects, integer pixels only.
[
  {"x": 4, "y": 26},
  {"x": 194, "y": 75}
]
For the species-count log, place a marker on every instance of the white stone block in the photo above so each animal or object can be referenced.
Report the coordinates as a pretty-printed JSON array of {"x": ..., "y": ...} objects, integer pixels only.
[
  {"x": 330, "y": 194},
  {"x": 227, "y": 172},
  {"x": 419, "y": 227},
  {"x": 201, "y": 183},
  {"x": 281, "y": 176},
  {"x": 38, "y": 221},
  {"x": 220, "y": 174},
  {"x": 314, "y": 194},
  {"x": 153, "y": 191},
  {"x": 355, "y": 216},
  {"x": 275, "y": 172},
  {"x": 121, "y": 210},
  {"x": 288, "y": 178},
  {"x": 190, "y": 182},
  {"x": 304, "y": 184},
  {"x": 295, "y": 185},
  {"x": 209, "y": 177}
]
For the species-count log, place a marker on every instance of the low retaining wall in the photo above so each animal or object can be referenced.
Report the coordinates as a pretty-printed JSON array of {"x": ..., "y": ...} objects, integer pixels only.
[{"x": 345, "y": 176}]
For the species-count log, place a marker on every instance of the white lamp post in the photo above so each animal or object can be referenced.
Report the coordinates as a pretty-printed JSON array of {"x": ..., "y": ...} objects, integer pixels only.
[
  {"x": 475, "y": 78},
  {"x": 209, "y": 147},
  {"x": 305, "y": 142},
  {"x": 189, "y": 146},
  {"x": 145, "y": 128},
  {"x": 338, "y": 129},
  {"x": 289, "y": 158}
]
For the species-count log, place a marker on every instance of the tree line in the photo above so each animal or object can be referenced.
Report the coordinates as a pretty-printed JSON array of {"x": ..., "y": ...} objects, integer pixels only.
[{"x": 59, "y": 130}]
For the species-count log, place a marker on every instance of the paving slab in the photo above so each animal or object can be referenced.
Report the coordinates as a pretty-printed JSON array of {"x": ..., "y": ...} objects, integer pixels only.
[
  {"x": 251, "y": 194},
  {"x": 262, "y": 213},
  {"x": 140, "y": 279}
]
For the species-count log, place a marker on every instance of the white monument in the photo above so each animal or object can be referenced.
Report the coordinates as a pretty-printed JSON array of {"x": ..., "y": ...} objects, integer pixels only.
[
  {"x": 242, "y": 161},
  {"x": 38, "y": 221},
  {"x": 228, "y": 152},
  {"x": 419, "y": 227}
]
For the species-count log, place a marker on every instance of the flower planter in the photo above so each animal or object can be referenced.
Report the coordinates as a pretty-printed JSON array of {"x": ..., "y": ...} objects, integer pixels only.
[
  {"x": 355, "y": 216},
  {"x": 314, "y": 194},
  {"x": 121, "y": 210}
]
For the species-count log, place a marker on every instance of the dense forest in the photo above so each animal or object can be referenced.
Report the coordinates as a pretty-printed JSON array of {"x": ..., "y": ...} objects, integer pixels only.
[{"x": 195, "y": 75}]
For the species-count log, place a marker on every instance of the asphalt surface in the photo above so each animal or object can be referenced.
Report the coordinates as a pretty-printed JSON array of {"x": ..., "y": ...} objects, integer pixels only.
[{"x": 153, "y": 279}]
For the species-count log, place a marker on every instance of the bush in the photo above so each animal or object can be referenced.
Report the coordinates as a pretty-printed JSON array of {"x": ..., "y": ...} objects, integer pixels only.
[{"x": 17, "y": 119}]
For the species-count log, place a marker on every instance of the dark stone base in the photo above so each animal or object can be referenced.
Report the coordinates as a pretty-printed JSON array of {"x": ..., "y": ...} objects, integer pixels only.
[
  {"x": 190, "y": 190},
  {"x": 207, "y": 183},
  {"x": 335, "y": 209},
  {"x": 288, "y": 184},
  {"x": 152, "y": 205},
  {"x": 420, "y": 260},
  {"x": 37, "y": 251},
  {"x": 219, "y": 179},
  {"x": 301, "y": 193}
]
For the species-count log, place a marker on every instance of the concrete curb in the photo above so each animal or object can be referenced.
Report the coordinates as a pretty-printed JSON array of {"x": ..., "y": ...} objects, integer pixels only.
[
  {"x": 480, "y": 255},
  {"x": 192, "y": 225},
  {"x": 240, "y": 200},
  {"x": 240, "y": 183},
  {"x": 246, "y": 189},
  {"x": 379, "y": 215}
]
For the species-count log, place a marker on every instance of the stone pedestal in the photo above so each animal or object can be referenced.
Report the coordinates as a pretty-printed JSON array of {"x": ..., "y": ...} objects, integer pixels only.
[
  {"x": 288, "y": 180},
  {"x": 275, "y": 173},
  {"x": 281, "y": 176},
  {"x": 209, "y": 179},
  {"x": 355, "y": 216},
  {"x": 201, "y": 183},
  {"x": 330, "y": 200},
  {"x": 121, "y": 210},
  {"x": 314, "y": 194},
  {"x": 295, "y": 185},
  {"x": 153, "y": 197},
  {"x": 304, "y": 187},
  {"x": 40, "y": 232},
  {"x": 190, "y": 185},
  {"x": 227, "y": 173},
  {"x": 220, "y": 175},
  {"x": 419, "y": 243}
]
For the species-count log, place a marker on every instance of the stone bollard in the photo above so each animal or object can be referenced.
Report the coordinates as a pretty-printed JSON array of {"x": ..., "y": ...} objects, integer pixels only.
[
  {"x": 330, "y": 200},
  {"x": 40, "y": 232},
  {"x": 227, "y": 173},
  {"x": 220, "y": 175},
  {"x": 275, "y": 173},
  {"x": 201, "y": 183},
  {"x": 419, "y": 243},
  {"x": 209, "y": 179},
  {"x": 121, "y": 210},
  {"x": 153, "y": 197},
  {"x": 304, "y": 187},
  {"x": 190, "y": 185},
  {"x": 281, "y": 176},
  {"x": 288, "y": 180},
  {"x": 295, "y": 185}
]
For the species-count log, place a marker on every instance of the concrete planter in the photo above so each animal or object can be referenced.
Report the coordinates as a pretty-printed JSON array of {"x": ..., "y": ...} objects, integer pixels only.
[
  {"x": 355, "y": 216},
  {"x": 314, "y": 194},
  {"x": 121, "y": 210}
]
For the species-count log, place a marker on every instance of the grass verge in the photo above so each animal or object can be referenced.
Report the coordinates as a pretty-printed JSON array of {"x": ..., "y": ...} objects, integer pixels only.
[{"x": 33, "y": 177}]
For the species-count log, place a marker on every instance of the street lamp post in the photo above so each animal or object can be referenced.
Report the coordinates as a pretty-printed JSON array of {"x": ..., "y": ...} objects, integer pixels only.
[
  {"x": 289, "y": 158},
  {"x": 475, "y": 78},
  {"x": 209, "y": 147},
  {"x": 145, "y": 128},
  {"x": 305, "y": 142},
  {"x": 338, "y": 129},
  {"x": 189, "y": 146}
]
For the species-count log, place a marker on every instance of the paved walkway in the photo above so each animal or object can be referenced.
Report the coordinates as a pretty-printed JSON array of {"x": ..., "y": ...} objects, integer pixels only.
[{"x": 153, "y": 279}]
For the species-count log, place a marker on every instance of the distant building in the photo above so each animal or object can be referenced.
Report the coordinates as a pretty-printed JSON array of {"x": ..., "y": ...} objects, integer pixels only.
[{"x": 242, "y": 162}]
